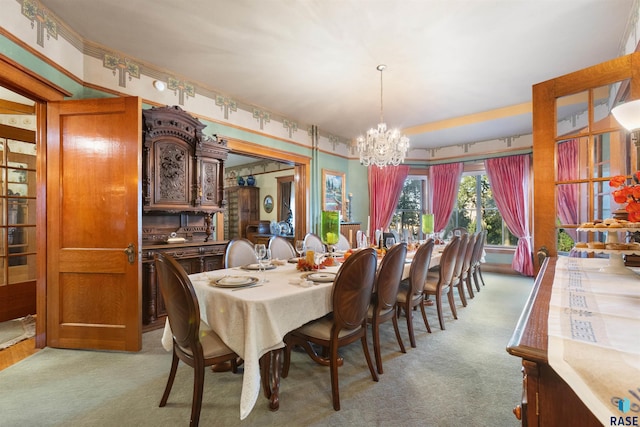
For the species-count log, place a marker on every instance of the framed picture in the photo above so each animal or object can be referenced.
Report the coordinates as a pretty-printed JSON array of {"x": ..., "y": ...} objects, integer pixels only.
[
  {"x": 333, "y": 191},
  {"x": 268, "y": 204}
]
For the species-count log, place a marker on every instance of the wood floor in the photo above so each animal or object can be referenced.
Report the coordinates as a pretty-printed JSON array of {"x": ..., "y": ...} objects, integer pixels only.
[{"x": 17, "y": 352}]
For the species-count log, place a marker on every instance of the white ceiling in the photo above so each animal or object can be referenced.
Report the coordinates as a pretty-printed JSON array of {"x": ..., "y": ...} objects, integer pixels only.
[{"x": 314, "y": 61}]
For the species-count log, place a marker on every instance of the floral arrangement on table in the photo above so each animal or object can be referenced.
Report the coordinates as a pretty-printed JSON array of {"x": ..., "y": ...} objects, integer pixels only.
[
  {"x": 629, "y": 194},
  {"x": 304, "y": 265}
]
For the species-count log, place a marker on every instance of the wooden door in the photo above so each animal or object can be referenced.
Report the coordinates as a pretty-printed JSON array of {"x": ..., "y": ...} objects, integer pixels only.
[{"x": 93, "y": 222}]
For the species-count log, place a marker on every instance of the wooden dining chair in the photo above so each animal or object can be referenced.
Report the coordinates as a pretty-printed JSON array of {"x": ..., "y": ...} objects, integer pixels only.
[
  {"x": 385, "y": 295},
  {"x": 476, "y": 262},
  {"x": 411, "y": 290},
  {"x": 439, "y": 283},
  {"x": 312, "y": 242},
  {"x": 343, "y": 243},
  {"x": 281, "y": 248},
  {"x": 194, "y": 342},
  {"x": 456, "y": 281},
  {"x": 239, "y": 252},
  {"x": 465, "y": 274},
  {"x": 347, "y": 323}
]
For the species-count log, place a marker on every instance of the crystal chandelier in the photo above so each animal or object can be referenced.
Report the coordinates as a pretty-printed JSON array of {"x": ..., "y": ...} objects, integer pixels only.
[{"x": 382, "y": 147}]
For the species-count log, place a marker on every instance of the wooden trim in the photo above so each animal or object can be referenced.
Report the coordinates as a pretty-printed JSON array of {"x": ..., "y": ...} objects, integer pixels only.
[
  {"x": 529, "y": 339},
  {"x": 10, "y": 107},
  {"x": 27, "y": 83}
]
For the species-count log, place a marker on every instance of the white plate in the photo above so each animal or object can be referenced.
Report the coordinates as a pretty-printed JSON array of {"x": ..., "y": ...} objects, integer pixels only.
[
  {"x": 234, "y": 281},
  {"x": 257, "y": 267},
  {"x": 320, "y": 277}
]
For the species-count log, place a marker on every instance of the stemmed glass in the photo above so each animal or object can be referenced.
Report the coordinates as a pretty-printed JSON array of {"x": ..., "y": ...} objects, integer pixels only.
[
  {"x": 265, "y": 262},
  {"x": 260, "y": 250},
  {"x": 390, "y": 241},
  {"x": 300, "y": 247}
]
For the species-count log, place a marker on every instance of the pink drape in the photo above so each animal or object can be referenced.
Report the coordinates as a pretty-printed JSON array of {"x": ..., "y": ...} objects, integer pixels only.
[
  {"x": 385, "y": 187},
  {"x": 444, "y": 183},
  {"x": 568, "y": 193},
  {"x": 509, "y": 180}
]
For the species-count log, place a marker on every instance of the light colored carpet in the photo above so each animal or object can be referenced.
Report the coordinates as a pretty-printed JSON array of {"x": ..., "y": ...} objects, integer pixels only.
[
  {"x": 462, "y": 376},
  {"x": 16, "y": 330}
]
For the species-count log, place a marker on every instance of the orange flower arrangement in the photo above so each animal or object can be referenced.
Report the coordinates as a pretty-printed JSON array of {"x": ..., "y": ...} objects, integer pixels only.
[{"x": 629, "y": 194}]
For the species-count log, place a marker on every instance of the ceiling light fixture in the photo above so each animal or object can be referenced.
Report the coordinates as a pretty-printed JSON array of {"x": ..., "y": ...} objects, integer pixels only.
[
  {"x": 159, "y": 85},
  {"x": 382, "y": 147}
]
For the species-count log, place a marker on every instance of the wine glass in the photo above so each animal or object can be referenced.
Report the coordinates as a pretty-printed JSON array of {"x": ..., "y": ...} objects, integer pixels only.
[
  {"x": 265, "y": 262},
  {"x": 390, "y": 241},
  {"x": 300, "y": 247},
  {"x": 260, "y": 250}
]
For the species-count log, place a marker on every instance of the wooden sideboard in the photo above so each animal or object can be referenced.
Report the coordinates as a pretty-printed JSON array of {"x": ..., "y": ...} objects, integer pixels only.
[
  {"x": 194, "y": 257},
  {"x": 349, "y": 230},
  {"x": 547, "y": 400},
  {"x": 182, "y": 189}
]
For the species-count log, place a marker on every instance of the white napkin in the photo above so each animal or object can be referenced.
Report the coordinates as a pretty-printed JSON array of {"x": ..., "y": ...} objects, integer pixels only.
[{"x": 301, "y": 282}]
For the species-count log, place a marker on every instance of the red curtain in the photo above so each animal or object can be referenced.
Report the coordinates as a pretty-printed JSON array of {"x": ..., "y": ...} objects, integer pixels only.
[
  {"x": 509, "y": 180},
  {"x": 568, "y": 193},
  {"x": 444, "y": 183},
  {"x": 385, "y": 187}
]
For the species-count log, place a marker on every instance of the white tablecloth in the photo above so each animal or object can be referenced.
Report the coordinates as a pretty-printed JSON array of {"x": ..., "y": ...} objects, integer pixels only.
[
  {"x": 254, "y": 321},
  {"x": 594, "y": 335}
]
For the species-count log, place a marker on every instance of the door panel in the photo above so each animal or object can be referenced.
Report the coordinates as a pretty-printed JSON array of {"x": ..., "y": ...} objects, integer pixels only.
[{"x": 93, "y": 216}]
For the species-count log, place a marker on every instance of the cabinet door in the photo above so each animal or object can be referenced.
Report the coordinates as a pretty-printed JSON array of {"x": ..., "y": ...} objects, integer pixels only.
[
  {"x": 209, "y": 183},
  {"x": 172, "y": 171}
]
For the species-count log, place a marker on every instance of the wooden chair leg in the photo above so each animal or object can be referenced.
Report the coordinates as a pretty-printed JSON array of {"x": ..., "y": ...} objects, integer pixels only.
[
  {"x": 333, "y": 365},
  {"x": 463, "y": 299},
  {"x": 398, "y": 337},
  {"x": 198, "y": 385},
  {"x": 172, "y": 376},
  {"x": 469, "y": 285},
  {"x": 424, "y": 317},
  {"x": 409, "y": 316},
  {"x": 452, "y": 303},
  {"x": 439, "y": 308},
  {"x": 367, "y": 355},
  {"x": 375, "y": 331}
]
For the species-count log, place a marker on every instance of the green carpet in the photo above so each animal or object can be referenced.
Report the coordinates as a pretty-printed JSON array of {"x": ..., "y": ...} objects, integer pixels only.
[{"x": 458, "y": 377}]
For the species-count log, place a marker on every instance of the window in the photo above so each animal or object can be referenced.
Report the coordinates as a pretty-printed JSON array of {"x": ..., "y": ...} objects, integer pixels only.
[
  {"x": 468, "y": 213},
  {"x": 410, "y": 207}
]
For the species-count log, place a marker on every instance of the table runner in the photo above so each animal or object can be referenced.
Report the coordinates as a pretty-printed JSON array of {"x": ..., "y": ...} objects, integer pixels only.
[{"x": 594, "y": 336}]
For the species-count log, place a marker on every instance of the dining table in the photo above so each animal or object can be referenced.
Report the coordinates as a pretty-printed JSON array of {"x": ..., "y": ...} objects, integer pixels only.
[{"x": 253, "y": 317}]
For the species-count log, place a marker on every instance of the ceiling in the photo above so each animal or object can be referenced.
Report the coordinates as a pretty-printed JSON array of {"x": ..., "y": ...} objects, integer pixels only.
[{"x": 457, "y": 71}]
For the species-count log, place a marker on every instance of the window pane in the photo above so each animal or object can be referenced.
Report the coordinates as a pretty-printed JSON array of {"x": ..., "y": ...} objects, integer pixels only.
[
  {"x": 572, "y": 114},
  {"x": 603, "y": 101}
]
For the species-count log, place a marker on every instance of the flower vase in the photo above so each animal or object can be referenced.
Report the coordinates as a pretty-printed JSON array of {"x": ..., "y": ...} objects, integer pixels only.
[
  {"x": 330, "y": 229},
  {"x": 240, "y": 181}
]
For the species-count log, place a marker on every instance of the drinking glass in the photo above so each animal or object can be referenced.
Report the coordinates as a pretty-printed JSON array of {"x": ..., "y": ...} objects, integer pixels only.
[
  {"x": 300, "y": 247},
  {"x": 390, "y": 241},
  {"x": 265, "y": 262},
  {"x": 260, "y": 250}
]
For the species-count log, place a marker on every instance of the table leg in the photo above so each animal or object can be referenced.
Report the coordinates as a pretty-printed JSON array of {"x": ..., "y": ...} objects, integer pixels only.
[{"x": 270, "y": 370}]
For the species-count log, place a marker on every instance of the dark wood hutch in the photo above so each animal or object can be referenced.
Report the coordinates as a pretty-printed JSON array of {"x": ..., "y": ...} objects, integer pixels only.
[{"x": 182, "y": 190}]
